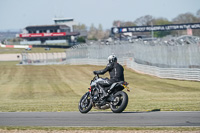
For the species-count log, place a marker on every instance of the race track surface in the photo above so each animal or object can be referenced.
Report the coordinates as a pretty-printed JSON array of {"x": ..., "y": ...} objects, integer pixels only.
[{"x": 103, "y": 119}]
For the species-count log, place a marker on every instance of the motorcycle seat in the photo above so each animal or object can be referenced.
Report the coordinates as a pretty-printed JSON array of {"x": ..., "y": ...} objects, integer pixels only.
[{"x": 115, "y": 84}]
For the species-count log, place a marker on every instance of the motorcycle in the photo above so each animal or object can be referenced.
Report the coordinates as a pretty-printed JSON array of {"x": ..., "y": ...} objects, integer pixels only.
[{"x": 116, "y": 99}]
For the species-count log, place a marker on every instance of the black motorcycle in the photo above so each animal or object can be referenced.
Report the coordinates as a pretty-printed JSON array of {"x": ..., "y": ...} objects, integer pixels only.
[{"x": 116, "y": 99}]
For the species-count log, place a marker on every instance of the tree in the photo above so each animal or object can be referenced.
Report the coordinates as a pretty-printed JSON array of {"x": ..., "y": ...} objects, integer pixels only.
[
  {"x": 186, "y": 18},
  {"x": 198, "y": 14},
  {"x": 92, "y": 33},
  {"x": 79, "y": 27},
  {"x": 81, "y": 40},
  {"x": 118, "y": 23},
  {"x": 144, "y": 20},
  {"x": 161, "y": 21},
  {"x": 100, "y": 33},
  {"x": 107, "y": 34},
  {"x": 129, "y": 23}
]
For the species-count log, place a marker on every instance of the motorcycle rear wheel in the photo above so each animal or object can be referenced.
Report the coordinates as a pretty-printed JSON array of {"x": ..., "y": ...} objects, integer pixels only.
[
  {"x": 120, "y": 102},
  {"x": 85, "y": 104}
]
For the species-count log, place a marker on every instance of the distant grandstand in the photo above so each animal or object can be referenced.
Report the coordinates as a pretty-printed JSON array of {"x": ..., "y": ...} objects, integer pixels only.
[{"x": 60, "y": 32}]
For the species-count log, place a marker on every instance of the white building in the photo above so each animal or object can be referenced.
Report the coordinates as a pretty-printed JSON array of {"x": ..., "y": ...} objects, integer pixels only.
[{"x": 66, "y": 21}]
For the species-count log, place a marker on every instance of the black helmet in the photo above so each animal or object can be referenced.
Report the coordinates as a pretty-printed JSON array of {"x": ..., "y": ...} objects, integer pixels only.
[{"x": 112, "y": 58}]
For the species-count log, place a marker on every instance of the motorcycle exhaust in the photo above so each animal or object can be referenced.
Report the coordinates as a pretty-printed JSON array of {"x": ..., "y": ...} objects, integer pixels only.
[{"x": 107, "y": 106}]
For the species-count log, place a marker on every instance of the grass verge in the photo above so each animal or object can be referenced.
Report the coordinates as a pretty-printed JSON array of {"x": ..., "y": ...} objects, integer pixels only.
[
  {"x": 104, "y": 128},
  {"x": 55, "y": 88},
  {"x": 33, "y": 50}
]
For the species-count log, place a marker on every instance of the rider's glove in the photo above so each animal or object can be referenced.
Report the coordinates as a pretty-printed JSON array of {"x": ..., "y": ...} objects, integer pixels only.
[{"x": 95, "y": 72}]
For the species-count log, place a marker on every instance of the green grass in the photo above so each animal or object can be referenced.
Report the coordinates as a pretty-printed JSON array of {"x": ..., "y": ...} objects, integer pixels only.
[
  {"x": 33, "y": 50},
  {"x": 104, "y": 128},
  {"x": 55, "y": 88}
]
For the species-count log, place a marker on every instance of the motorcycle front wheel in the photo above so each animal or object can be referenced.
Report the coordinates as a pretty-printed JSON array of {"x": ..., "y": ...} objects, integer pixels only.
[
  {"x": 120, "y": 102},
  {"x": 85, "y": 104}
]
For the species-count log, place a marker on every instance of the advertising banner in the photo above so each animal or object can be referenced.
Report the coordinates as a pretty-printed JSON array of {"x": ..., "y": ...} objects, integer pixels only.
[
  {"x": 42, "y": 34},
  {"x": 150, "y": 28}
]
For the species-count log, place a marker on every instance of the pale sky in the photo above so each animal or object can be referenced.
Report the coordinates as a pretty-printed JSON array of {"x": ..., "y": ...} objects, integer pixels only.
[{"x": 17, "y": 14}]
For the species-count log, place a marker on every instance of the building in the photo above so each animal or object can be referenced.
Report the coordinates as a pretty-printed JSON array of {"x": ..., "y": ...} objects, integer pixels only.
[
  {"x": 70, "y": 22},
  {"x": 65, "y": 21},
  {"x": 58, "y": 33}
]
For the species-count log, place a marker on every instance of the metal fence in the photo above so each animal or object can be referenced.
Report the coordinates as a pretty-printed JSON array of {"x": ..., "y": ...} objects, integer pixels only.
[
  {"x": 167, "y": 56},
  {"x": 177, "y": 58},
  {"x": 155, "y": 53},
  {"x": 100, "y": 51}
]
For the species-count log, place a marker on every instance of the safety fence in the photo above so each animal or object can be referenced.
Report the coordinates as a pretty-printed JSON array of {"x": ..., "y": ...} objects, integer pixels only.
[
  {"x": 180, "y": 53},
  {"x": 179, "y": 56}
]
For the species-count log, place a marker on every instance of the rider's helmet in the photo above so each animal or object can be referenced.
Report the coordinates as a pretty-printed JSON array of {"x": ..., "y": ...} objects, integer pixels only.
[{"x": 112, "y": 58}]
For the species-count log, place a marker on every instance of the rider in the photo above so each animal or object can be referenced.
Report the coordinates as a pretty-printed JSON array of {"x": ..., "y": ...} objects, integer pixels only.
[{"x": 116, "y": 72}]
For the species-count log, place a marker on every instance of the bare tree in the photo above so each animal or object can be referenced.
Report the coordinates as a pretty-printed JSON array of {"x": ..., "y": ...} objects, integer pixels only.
[
  {"x": 100, "y": 32},
  {"x": 129, "y": 23},
  {"x": 92, "y": 32},
  {"x": 117, "y": 23},
  {"x": 80, "y": 27},
  {"x": 198, "y": 14},
  {"x": 185, "y": 18},
  {"x": 107, "y": 34},
  {"x": 144, "y": 20}
]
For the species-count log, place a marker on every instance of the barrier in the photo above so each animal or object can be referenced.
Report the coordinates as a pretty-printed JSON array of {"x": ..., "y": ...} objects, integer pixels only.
[
  {"x": 170, "y": 73},
  {"x": 43, "y": 58},
  {"x": 15, "y": 46}
]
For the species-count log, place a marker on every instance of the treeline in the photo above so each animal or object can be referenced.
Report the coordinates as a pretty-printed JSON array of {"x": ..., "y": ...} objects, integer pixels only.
[
  {"x": 97, "y": 33},
  {"x": 93, "y": 33}
]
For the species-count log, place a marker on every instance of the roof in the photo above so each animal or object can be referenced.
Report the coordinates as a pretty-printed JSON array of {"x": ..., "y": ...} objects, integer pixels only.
[
  {"x": 63, "y": 19},
  {"x": 46, "y": 27},
  {"x": 72, "y": 33}
]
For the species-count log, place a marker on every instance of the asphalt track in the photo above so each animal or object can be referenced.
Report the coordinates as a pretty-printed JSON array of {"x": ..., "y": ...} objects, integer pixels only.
[{"x": 103, "y": 119}]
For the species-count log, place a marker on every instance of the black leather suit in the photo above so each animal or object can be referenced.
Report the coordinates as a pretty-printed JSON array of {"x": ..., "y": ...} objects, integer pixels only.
[{"x": 116, "y": 72}]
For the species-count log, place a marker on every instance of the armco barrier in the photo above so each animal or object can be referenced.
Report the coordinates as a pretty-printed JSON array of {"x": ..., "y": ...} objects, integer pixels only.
[
  {"x": 171, "y": 73},
  {"x": 15, "y": 46},
  {"x": 43, "y": 58}
]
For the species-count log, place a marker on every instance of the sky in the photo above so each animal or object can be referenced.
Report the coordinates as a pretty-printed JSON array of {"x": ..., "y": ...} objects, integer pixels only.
[{"x": 17, "y": 14}]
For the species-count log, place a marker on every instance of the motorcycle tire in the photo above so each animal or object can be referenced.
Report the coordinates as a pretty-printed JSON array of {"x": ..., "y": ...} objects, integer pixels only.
[
  {"x": 120, "y": 102},
  {"x": 85, "y": 104}
]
